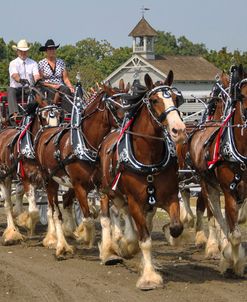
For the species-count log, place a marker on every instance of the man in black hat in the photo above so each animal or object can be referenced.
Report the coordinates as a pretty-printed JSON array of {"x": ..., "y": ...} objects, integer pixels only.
[{"x": 55, "y": 76}]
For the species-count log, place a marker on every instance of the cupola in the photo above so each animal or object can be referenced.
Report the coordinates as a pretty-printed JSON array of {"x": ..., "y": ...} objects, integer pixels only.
[{"x": 143, "y": 39}]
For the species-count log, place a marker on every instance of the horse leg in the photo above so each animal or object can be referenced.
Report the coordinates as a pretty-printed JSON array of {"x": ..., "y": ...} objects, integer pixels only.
[
  {"x": 86, "y": 229},
  {"x": 62, "y": 246},
  {"x": 107, "y": 249},
  {"x": 212, "y": 245},
  {"x": 11, "y": 234},
  {"x": 29, "y": 219},
  {"x": 50, "y": 240},
  {"x": 242, "y": 216},
  {"x": 173, "y": 230},
  {"x": 215, "y": 219},
  {"x": 233, "y": 253},
  {"x": 186, "y": 214},
  {"x": 126, "y": 241},
  {"x": 200, "y": 238},
  {"x": 149, "y": 278},
  {"x": 69, "y": 224},
  {"x": 19, "y": 193},
  {"x": 149, "y": 218}
]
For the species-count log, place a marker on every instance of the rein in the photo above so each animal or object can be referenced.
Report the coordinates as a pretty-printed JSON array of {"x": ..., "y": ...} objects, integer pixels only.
[{"x": 144, "y": 135}]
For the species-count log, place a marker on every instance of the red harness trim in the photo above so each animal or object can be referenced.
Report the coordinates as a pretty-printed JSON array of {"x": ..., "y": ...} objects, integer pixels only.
[
  {"x": 117, "y": 177},
  {"x": 216, "y": 155}
]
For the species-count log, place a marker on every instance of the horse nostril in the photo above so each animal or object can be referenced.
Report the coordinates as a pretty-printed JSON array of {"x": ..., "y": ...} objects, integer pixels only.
[{"x": 175, "y": 131}]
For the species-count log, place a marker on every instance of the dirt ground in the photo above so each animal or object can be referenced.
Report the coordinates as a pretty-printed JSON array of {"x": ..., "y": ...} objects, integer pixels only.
[{"x": 29, "y": 272}]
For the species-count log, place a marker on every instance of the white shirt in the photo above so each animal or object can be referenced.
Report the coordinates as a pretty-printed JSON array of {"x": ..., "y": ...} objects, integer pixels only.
[{"x": 26, "y": 69}]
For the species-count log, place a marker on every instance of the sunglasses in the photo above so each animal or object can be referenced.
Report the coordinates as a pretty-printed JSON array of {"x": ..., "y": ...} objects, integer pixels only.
[{"x": 50, "y": 48}]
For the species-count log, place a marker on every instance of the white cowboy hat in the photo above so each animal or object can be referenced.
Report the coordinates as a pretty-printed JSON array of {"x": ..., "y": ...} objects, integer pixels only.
[{"x": 21, "y": 45}]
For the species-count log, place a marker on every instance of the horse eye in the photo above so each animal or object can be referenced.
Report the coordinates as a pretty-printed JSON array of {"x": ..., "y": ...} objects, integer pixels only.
[
  {"x": 155, "y": 101},
  {"x": 166, "y": 94}
]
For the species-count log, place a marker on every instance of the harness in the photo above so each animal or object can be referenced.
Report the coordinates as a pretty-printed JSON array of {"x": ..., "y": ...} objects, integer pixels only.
[
  {"x": 77, "y": 137},
  {"x": 225, "y": 148},
  {"x": 126, "y": 159}
]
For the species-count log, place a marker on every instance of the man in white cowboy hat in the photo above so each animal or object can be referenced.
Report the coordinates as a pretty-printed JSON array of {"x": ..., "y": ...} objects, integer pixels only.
[{"x": 22, "y": 71}]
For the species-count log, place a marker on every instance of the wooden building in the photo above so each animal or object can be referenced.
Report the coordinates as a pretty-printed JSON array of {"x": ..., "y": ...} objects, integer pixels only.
[{"x": 193, "y": 75}]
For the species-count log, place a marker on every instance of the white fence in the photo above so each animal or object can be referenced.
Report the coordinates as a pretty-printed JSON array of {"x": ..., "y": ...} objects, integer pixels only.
[{"x": 192, "y": 109}]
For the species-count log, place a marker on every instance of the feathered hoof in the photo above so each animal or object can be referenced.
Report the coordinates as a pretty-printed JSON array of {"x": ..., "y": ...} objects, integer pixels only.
[
  {"x": 127, "y": 249},
  {"x": 68, "y": 231},
  {"x": 232, "y": 262},
  {"x": 12, "y": 236},
  {"x": 28, "y": 220},
  {"x": 112, "y": 260},
  {"x": 85, "y": 233},
  {"x": 212, "y": 252},
  {"x": 50, "y": 242},
  {"x": 201, "y": 239},
  {"x": 64, "y": 250},
  {"x": 153, "y": 281},
  {"x": 21, "y": 219}
]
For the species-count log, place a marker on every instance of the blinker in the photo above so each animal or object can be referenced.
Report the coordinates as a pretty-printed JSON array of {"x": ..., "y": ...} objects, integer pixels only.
[{"x": 166, "y": 93}]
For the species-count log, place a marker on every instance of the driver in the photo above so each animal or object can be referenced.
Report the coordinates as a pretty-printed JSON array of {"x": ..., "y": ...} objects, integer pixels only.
[{"x": 22, "y": 71}]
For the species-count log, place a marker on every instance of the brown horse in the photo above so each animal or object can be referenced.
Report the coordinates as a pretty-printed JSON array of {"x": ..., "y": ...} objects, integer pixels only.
[
  {"x": 68, "y": 156},
  {"x": 139, "y": 168},
  {"x": 212, "y": 116},
  {"x": 16, "y": 151},
  {"x": 221, "y": 162}
]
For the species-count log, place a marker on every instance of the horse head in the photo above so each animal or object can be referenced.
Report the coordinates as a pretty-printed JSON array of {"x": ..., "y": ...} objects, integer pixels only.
[
  {"x": 50, "y": 115},
  {"x": 163, "y": 100},
  {"x": 242, "y": 89},
  {"x": 215, "y": 105},
  {"x": 44, "y": 114},
  {"x": 116, "y": 101}
]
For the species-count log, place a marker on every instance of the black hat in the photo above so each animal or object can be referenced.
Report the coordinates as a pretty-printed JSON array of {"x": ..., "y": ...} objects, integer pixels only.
[{"x": 49, "y": 43}]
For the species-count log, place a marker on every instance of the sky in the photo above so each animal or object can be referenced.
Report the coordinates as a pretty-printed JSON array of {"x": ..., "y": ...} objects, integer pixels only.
[{"x": 215, "y": 23}]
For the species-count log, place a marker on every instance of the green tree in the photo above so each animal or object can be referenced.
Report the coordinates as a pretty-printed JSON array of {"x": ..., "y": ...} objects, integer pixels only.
[
  {"x": 69, "y": 54},
  {"x": 3, "y": 49},
  {"x": 90, "y": 48},
  {"x": 165, "y": 44},
  {"x": 118, "y": 57},
  {"x": 89, "y": 75},
  {"x": 187, "y": 48}
]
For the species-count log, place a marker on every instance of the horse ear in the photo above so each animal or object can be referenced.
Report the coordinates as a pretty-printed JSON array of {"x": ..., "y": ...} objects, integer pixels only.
[
  {"x": 121, "y": 85},
  {"x": 169, "y": 78},
  {"x": 42, "y": 103},
  {"x": 148, "y": 81},
  {"x": 225, "y": 79},
  {"x": 127, "y": 88},
  {"x": 108, "y": 89}
]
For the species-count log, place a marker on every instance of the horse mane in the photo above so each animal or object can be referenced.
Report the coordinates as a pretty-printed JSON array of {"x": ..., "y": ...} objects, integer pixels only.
[{"x": 31, "y": 108}]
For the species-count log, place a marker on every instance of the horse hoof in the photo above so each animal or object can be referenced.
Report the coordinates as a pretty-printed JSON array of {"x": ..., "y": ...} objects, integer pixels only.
[
  {"x": 145, "y": 286},
  {"x": 113, "y": 260},
  {"x": 230, "y": 274},
  {"x": 176, "y": 229},
  {"x": 63, "y": 257},
  {"x": 12, "y": 237}
]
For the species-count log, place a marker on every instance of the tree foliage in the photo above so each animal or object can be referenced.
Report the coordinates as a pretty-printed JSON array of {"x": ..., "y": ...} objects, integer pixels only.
[{"x": 95, "y": 60}]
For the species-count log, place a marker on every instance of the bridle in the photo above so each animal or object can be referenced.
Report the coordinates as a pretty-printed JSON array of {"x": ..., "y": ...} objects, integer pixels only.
[
  {"x": 167, "y": 92},
  {"x": 52, "y": 110},
  {"x": 243, "y": 110}
]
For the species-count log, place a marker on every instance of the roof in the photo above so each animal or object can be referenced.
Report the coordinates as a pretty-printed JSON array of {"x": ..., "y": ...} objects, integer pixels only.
[
  {"x": 186, "y": 68},
  {"x": 143, "y": 29}
]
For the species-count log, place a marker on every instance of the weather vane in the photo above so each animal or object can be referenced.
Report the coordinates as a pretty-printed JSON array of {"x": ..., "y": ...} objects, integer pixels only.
[{"x": 143, "y": 9}]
